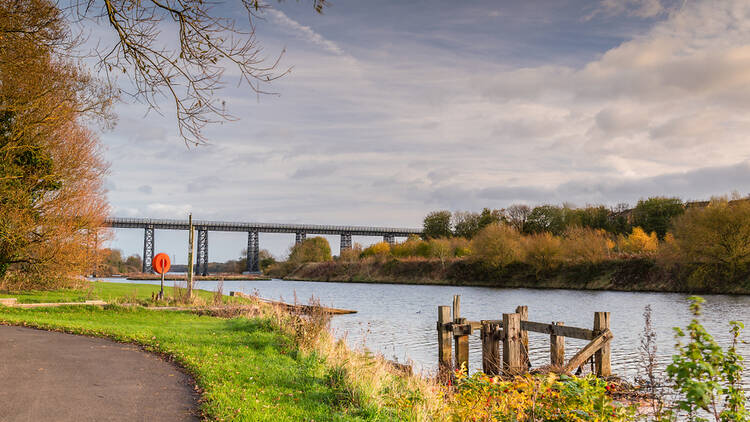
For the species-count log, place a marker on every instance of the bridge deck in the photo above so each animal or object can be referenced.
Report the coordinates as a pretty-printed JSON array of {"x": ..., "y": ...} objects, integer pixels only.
[{"x": 228, "y": 226}]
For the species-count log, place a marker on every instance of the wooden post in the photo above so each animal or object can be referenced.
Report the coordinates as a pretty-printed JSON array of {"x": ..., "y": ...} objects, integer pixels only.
[
  {"x": 462, "y": 347},
  {"x": 191, "y": 248},
  {"x": 602, "y": 356},
  {"x": 557, "y": 347},
  {"x": 523, "y": 311},
  {"x": 512, "y": 363},
  {"x": 491, "y": 362},
  {"x": 456, "y": 307},
  {"x": 445, "y": 357}
]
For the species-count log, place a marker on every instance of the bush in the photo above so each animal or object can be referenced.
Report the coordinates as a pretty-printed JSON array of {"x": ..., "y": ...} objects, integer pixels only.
[
  {"x": 543, "y": 397},
  {"x": 497, "y": 244},
  {"x": 586, "y": 245},
  {"x": 314, "y": 249},
  {"x": 378, "y": 250},
  {"x": 717, "y": 236},
  {"x": 638, "y": 242},
  {"x": 543, "y": 251},
  {"x": 352, "y": 254}
]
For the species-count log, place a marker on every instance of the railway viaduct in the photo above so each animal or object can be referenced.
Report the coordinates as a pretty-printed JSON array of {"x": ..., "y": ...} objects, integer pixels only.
[{"x": 252, "y": 229}]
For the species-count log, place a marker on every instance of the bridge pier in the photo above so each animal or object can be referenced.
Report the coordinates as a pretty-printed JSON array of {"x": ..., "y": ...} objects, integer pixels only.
[
  {"x": 201, "y": 258},
  {"x": 299, "y": 237},
  {"x": 389, "y": 239},
  {"x": 346, "y": 241},
  {"x": 253, "y": 251},
  {"x": 148, "y": 248}
]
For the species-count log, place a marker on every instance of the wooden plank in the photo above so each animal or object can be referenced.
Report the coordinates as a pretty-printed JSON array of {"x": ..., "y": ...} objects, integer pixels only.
[
  {"x": 491, "y": 361},
  {"x": 558, "y": 330},
  {"x": 445, "y": 357},
  {"x": 462, "y": 346},
  {"x": 461, "y": 329},
  {"x": 523, "y": 311},
  {"x": 602, "y": 358},
  {"x": 557, "y": 347},
  {"x": 591, "y": 348},
  {"x": 512, "y": 363}
]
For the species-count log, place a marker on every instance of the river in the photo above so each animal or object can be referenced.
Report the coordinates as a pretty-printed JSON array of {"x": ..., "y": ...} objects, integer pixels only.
[{"x": 399, "y": 320}]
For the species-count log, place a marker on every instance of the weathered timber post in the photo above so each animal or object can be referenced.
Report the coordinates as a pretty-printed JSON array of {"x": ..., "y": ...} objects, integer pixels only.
[
  {"x": 445, "y": 358},
  {"x": 602, "y": 356},
  {"x": 461, "y": 340},
  {"x": 523, "y": 311},
  {"x": 557, "y": 347},
  {"x": 512, "y": 358},
  {"x": 491, "y": 362}
]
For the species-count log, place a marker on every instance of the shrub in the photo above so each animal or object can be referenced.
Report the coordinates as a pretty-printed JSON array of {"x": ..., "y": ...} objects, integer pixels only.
[
  {"x": 707, "y": 377},
  {"x": 378, "y": 250},
  {"x": 638, "y": 242},
  {"x": 543, "y": 251},
  {"x": 406, "y": 249},
  {"x": 586, "y": 245},
  {"x": 441, "y": 249},
  {"x": 352, "y": 254},
  {"x": 543, "y": 397},
  {"x": 715, "y": 236},
  {"x": 497, "y": 244},
  {"x": 314, "y": 249}
]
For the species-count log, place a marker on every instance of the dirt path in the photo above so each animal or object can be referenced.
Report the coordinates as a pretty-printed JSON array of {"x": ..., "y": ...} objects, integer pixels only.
[{"x": 48, "y": 376}]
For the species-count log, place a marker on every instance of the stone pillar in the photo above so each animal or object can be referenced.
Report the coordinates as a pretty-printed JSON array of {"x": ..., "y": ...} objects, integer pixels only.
[
  {"x": 201, "y": 258},
  {"x": 148, "y": 248},
  {"x": 300, "y": 237},
  {"x": 389, "y": 239},
  {"x": 346, "y": 241},
  {"x": 253, "y": 251}
]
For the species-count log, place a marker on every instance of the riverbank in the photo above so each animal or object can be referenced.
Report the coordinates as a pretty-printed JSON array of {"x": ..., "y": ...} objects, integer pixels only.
[
  {"x": 636, "y": 274},
  {"x": 183, "y": 278},
  {"x": 258, "y": 364}
]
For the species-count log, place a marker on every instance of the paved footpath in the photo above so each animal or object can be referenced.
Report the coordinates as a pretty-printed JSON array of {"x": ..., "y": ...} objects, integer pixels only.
[{"x": 48, "y": 376}]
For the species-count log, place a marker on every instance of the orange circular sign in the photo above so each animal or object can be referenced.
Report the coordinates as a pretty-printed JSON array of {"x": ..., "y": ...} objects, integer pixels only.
[{"x": 161, "y": 263}]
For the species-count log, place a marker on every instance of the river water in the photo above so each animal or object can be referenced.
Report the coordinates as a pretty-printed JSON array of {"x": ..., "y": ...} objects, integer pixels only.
[{"x": 399, "y": 320}]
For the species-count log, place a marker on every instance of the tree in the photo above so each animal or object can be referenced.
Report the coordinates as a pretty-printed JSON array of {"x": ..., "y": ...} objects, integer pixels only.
[
  {"x": 655, "y": 214},
  {"x": 497, "y": 245},
  {"x": 52, "y": 203},
  {"x": 314, "y": 249},
  {"x": 546, "y": 218},
  {"x": 465, "y": 224},
  {"x": 517, "y": 215},
  {"x": 437, "y": 224},
  {"x": 190, "y": 73}
]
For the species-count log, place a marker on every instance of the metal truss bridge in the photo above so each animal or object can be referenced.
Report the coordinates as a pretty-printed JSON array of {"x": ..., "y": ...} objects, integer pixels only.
[{"x": 252, "y": 229}]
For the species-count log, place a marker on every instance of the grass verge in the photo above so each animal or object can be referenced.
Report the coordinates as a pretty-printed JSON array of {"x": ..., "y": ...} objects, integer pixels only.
[{"x": 276, "y": 366}]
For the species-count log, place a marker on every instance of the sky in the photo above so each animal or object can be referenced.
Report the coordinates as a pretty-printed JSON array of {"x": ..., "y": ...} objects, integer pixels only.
[{"x": 394, "y": 109}]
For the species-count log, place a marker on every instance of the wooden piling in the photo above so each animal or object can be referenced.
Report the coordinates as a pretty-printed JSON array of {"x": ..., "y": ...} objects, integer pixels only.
[
  {"x": 602, "y": 358},
  {"x": 444, "y": 338},
  {"x": 462, "y": 346},
  {"x": 523, "y": 311},
  {"x": 557, "y": 347},
  {"x": 491, "y": 361},
  {"x": 456, "y": 307},
  {"x": 512, "y": 358}
]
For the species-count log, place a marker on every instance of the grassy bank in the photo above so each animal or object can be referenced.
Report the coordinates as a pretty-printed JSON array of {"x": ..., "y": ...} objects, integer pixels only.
[
  {"x": 268, "y": 366},
  {"x": 637, "y": 274}
]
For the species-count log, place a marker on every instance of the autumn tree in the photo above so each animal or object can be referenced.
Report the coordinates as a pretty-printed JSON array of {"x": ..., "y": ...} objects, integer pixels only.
[
  {"x": 314, "y": 249},
  {"x": 655, "y": 214},
  {"x": 51, "y": 196},
  {"x": 517, "y": 215}
]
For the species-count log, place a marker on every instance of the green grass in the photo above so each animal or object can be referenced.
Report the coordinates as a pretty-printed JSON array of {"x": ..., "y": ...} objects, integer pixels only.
[
  {"x": 108, "y": 292},
  {"x": 249, "y": 371}
]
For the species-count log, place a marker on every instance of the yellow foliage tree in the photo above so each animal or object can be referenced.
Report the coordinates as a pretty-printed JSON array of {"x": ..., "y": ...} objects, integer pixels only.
[
  {"x": 497, "y": 244},
  {"x": 639, "y": 242}
]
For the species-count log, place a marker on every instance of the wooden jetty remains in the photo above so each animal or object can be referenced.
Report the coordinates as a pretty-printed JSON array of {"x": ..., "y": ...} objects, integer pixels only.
[
  {"x": 295, "y": 308},
  {"x": 512, "y": 332}
]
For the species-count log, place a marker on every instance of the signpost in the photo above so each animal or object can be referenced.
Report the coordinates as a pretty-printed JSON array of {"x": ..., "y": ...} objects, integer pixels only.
[{"x": 161, "y": 265}]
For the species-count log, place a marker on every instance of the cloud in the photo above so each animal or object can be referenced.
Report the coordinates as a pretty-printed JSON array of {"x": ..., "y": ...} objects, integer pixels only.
[
  {"x": 145, "y": 189},
  {"x": 304, "y": 32}
]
